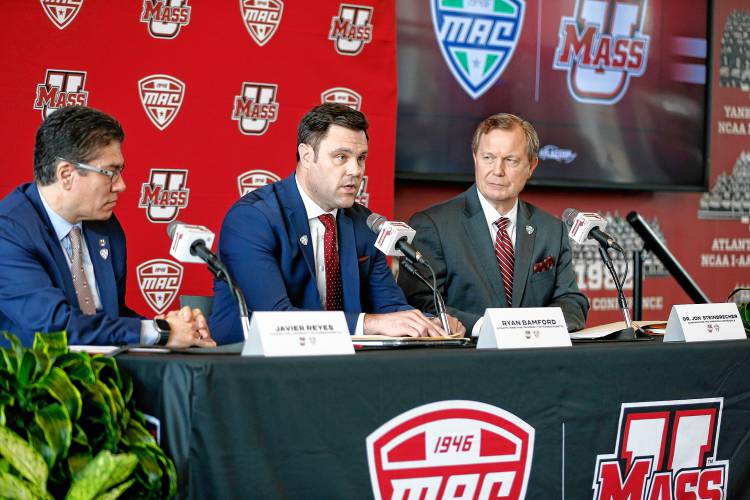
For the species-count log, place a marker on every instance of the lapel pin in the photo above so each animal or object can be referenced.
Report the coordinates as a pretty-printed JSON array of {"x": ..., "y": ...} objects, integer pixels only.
[
  {"x": 104, "y": 253},
  {"x": 303, "y": 239},
  {"x": 529, "y": 229},
  {"x": 102, "y": 243}
]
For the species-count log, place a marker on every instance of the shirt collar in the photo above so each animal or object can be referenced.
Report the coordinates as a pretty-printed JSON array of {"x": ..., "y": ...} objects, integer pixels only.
[
  {"x": 59, "y": 224},
  {"x": 312, "y": 208},
  {"x": 491, "y": 214}
]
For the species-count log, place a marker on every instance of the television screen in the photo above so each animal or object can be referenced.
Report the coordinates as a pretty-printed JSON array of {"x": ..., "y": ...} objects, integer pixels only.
[{"x": 616, "y": 89}]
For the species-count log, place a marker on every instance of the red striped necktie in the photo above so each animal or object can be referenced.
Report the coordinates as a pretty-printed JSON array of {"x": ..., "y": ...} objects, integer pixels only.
[{"x": 505, "y": 257}]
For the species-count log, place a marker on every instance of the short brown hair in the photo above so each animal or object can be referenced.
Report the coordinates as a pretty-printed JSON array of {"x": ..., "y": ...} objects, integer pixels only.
[
  {"x": 314, "y": 126},
  {"x": 506, "y": 121}
]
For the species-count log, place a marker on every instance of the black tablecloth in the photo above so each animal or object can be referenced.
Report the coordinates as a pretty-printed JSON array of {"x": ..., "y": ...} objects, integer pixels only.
[{"x": 296, "y": 427}]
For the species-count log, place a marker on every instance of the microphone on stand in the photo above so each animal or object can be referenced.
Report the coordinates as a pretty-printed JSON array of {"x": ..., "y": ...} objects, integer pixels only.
[
  {"x": 584, "y": 226},
  {"x": 394, "y": 239},
  {"x": 588, "y": 225},
  {"x": 191, "y": 243}
]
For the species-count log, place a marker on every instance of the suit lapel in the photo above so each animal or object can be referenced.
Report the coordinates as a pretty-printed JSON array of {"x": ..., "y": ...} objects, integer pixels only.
[
  {"x": 523, "y": 251},
  {"x": 348, "y": 262},
  {"x": 297, "y": 217},
  {"x": 480, "y": 244},
  {"x": 53, "y": 245},
  {"x": 101, "y": 258}
]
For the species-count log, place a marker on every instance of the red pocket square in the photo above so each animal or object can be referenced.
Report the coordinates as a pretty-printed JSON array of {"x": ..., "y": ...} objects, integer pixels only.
[{"x": 544, "y": 264}]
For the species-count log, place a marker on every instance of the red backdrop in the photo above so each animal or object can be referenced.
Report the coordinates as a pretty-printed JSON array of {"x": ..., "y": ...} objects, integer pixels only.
[
  {"x": 206, "y": 92},
  {"x": 229, "y": 55}
]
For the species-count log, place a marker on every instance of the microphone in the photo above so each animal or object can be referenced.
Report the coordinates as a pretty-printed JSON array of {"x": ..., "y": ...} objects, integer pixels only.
[
  {"x": 588, "y": 225},
  {"x": 394, "y": 238},
  {"x": 191, "y": 243}
]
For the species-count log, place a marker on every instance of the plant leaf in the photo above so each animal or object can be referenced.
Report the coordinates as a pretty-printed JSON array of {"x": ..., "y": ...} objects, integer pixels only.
[
  {"x": 78, "y": 461},
  {"x": 101, "y": 399},
  {"x": 24, "y": 458},
  {"x": 14, "y": 487},
  {"x": 148, "y": 465},
  {"x": 80, "y": 437},
  {"x": 78, "y": 366},
  {"x": 36, "y": 439},
  {"x": 116, "y": 491},
  {"x": 54, "y": 344},
  {"x": 15, "y": 345},
  {"x": 54, "y": 422},
  {"x": 100, "y": 474},
  {"x": 60, "y": 387},
  {"x": 136, "y": 434},
  {"x": 27, "y": 369}
]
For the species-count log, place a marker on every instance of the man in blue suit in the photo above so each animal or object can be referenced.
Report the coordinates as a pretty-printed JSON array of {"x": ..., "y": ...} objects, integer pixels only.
[
  {"x": 303, "y": 244},
  {"x": 62, "y": 250}
]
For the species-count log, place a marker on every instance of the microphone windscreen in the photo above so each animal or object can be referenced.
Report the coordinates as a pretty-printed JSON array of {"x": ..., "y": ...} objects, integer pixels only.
[
  {"x": 375, "y": 221},
  {"x": 569, "y": 215},
  {"x": 172, "y": 227}
]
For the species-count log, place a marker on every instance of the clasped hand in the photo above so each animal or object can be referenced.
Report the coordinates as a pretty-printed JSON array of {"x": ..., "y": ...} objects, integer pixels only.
[{"x": 188, "y": 328}]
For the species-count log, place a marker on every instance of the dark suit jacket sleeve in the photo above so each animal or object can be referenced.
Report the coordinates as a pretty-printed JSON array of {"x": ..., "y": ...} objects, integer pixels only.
[
  {"x": 31, "y": 302},
  {"x": 419, "y": 295},
  {"x": 380, "y": 293},
  {"x": 250, "y": 251},
  {"x": 566, "y": 296}
]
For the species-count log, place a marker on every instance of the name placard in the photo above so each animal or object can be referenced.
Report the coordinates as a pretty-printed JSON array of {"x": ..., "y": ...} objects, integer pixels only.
[
  {"x": 298, "y": 333},
  {"x": 701, "y": 322},
  {"x": 513, "y": 328}
]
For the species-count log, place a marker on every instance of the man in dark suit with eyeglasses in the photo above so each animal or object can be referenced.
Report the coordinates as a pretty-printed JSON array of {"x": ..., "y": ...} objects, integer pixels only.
[{"x": 62, "y": 251}]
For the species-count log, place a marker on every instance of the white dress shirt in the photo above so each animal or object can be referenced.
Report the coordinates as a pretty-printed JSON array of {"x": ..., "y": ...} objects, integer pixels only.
[
  {"x": 317, "y": 232},
  {"x": 491, "y": 215}
]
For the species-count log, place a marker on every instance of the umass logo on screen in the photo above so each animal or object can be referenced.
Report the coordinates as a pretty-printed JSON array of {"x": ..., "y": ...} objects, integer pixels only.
[
  {"x": 601, "y": 47},
  {"x": 665, "y": 450}
]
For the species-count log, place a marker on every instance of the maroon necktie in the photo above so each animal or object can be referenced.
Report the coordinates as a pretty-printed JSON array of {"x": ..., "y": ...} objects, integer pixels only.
[
  {"x": 505, "y": 258},
  {"x": 333, "y": 270}
]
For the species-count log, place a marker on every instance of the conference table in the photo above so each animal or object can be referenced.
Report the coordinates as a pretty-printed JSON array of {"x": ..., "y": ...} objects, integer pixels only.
[{"x": 297, "y": 427}]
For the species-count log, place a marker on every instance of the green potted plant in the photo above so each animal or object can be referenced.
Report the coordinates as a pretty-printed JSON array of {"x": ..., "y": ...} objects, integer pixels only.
[
  {"x": 70, "y": 429},
  {"x": 742, "y": 307}
]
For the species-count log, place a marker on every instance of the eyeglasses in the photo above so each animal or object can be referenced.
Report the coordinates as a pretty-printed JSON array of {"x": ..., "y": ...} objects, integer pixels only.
[{"x": 113, "y": 175}]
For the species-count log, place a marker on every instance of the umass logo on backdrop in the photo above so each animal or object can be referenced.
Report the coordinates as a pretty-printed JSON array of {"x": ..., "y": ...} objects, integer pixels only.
[
  {"x": 164, "y": 194},
  {"x": 665, "y": 450},
  {"x": 61, "y": 87},
  {"x": 256, "y": 107},
  {"x": 159, "y": 281},
  {"x": 61, "y": 12},
  {"x": 165, "y": 18},
  {"x": 451, "y": 449},
  {"x": 161, "y": 96},
  {"x": 601, "y": 47},
  {"x": 477, "y": 39},
  {"x": 352, "y": 29}
]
